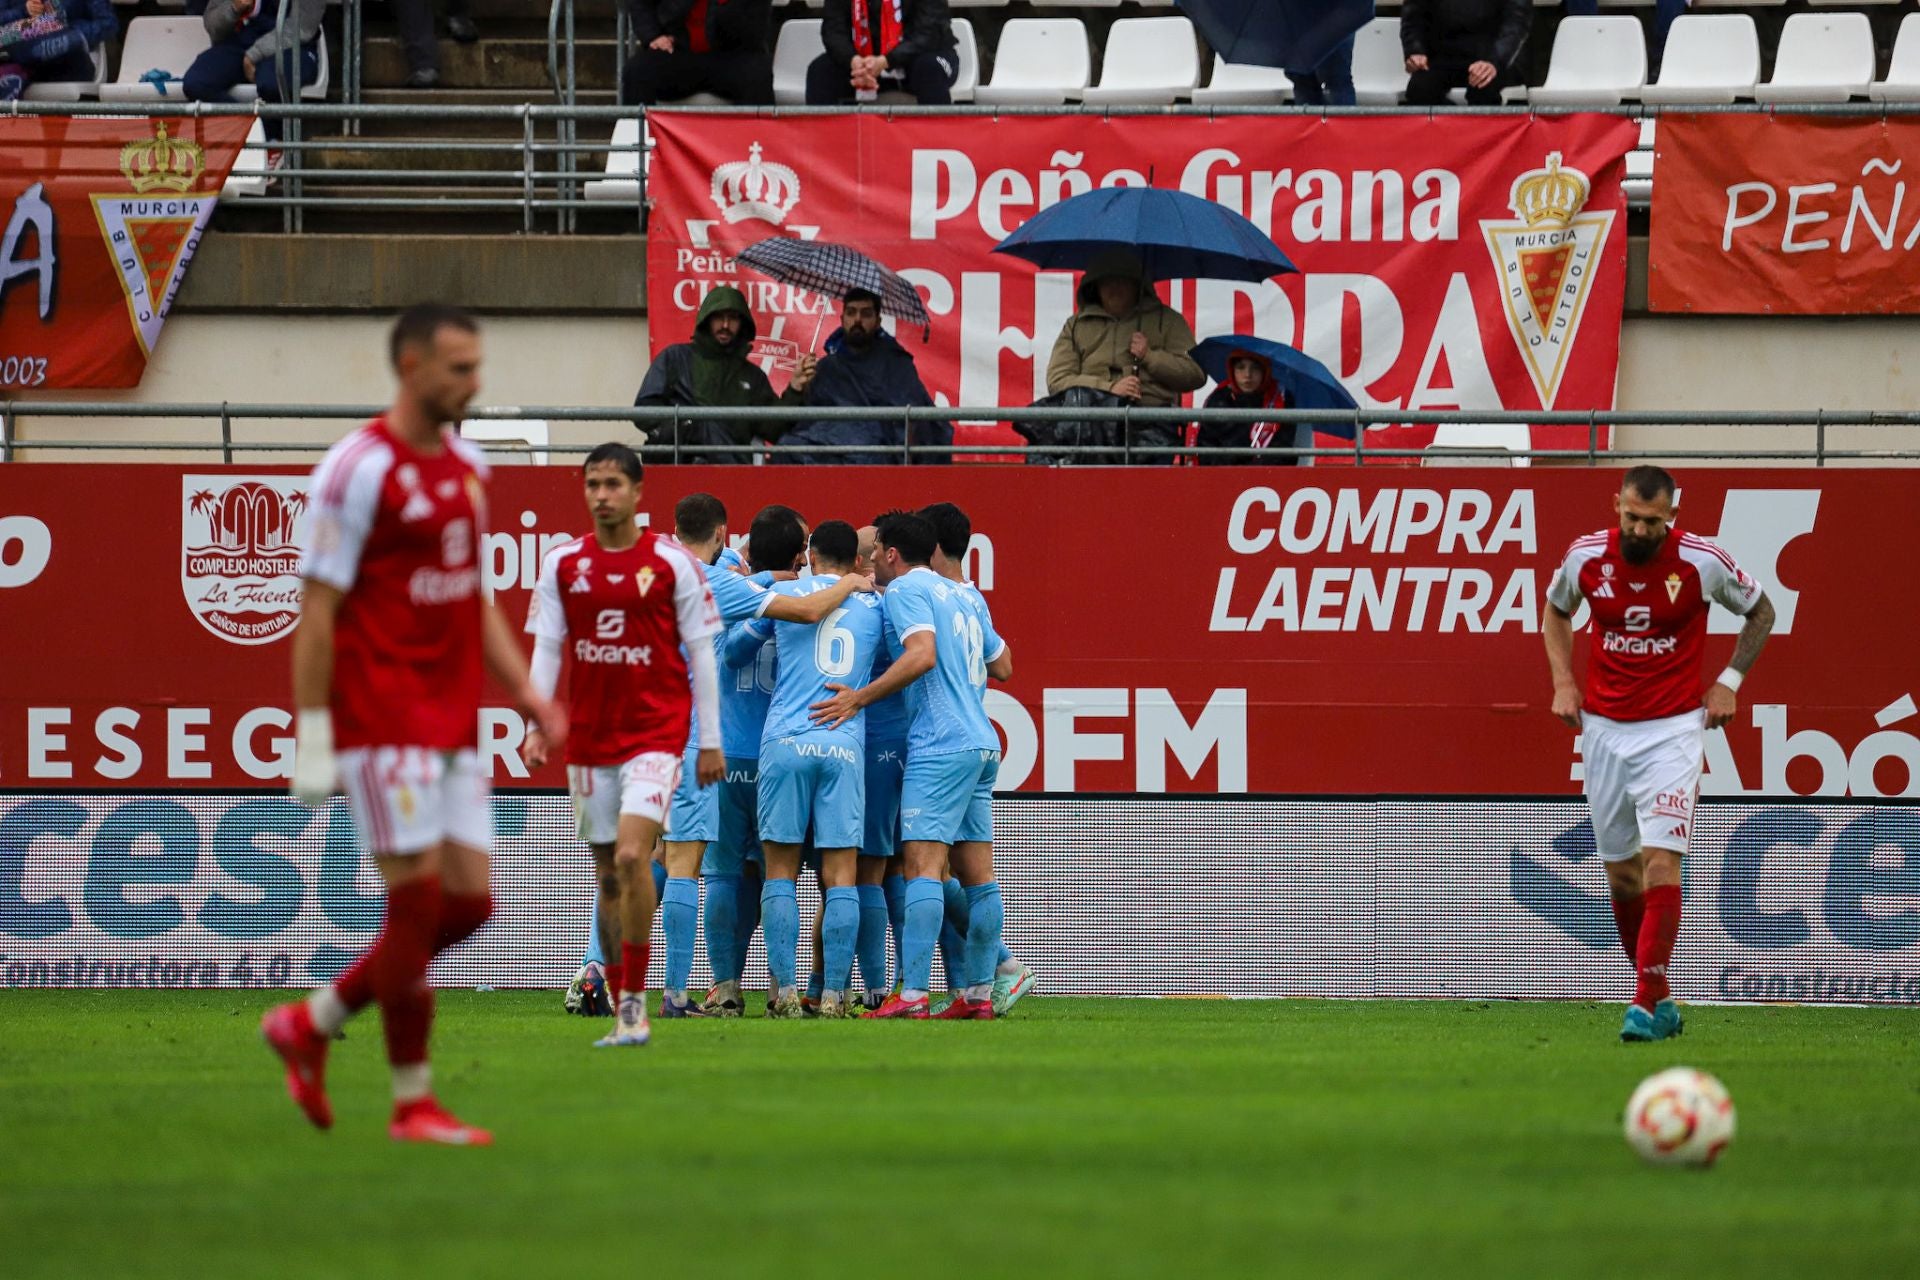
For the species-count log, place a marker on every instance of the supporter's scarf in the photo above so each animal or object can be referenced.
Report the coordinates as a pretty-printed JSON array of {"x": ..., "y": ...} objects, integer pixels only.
[{"x": 892, "y": 27}]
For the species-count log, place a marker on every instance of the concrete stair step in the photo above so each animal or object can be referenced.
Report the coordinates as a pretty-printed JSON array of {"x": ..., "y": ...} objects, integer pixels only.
[{"x": 513, "y": 64}]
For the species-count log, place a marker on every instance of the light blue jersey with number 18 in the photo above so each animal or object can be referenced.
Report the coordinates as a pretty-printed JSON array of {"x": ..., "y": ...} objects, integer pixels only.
[{"x": 947, "y": 707}]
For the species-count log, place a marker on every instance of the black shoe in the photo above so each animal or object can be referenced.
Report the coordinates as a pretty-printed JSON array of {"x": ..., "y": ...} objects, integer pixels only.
[
  {"x": 424, "y": 78},
  {"x": 461, "y": 28}
]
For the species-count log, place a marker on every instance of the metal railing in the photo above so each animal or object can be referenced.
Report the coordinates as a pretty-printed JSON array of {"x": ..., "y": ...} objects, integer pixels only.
[{"x": 225, "y": 414}]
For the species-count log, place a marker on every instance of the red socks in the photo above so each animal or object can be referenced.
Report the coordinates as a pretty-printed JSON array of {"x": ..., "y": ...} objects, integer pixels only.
[
  {"x": 633, "y": 967},
  {"x": 461, "y": 915},
  {"x": 398, "y": 964},
  {"x": 1627, "y": 914},
  {"x": 1658, "y": 932},
  {"x": 615, "y": 972}
]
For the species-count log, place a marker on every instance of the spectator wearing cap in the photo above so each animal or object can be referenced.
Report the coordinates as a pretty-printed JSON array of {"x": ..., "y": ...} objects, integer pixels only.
[
  {"x": 884, "y": 44},
  {"x": 864, "y": 367},
  {"x": 700, "y": 46},
  {"x": 1463, "y": 44}
]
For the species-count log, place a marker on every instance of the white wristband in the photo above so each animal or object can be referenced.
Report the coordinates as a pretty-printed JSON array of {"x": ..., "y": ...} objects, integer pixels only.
[{"x": 1731, "y": 679}]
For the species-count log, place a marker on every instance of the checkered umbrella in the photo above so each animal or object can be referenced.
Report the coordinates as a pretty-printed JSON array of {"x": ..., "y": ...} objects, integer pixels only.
[{"x": 834, "y": 270}]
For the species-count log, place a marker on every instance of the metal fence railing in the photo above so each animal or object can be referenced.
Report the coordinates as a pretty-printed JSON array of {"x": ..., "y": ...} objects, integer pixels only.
[{"x": 222, "y": 418}]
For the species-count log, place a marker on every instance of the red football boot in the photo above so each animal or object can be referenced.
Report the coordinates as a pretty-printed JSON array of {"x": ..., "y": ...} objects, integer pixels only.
[
  {"x": 961, "y": 1009},
  {"x": 895, "y": 1007},
  {"x": 425, "y": 1120},
  {"x": 289, "y": 1031}
]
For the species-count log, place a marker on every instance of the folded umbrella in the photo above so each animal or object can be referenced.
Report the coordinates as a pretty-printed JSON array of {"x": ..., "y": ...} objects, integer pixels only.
[
  {"x": 1276, "y": 33},
  {"x": 836, "y": 270},
  {"x": 1308, "y": 383},
  {"x": 1176, "y": 236}
]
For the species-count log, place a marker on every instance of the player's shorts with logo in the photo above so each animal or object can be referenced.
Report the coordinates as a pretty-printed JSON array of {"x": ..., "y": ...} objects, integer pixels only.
[
  {"x": 737, "y": 825},
  {"x": 602, "y": 793},
  {"x": 817, "y": 782},
  {"x": 695, "y": 811},
  {"x": 948, "y": 798},
  {"x": 886, "y": 767},
  {"x": 1642, "y": 780},
  {"x": 409, "y": 799}
]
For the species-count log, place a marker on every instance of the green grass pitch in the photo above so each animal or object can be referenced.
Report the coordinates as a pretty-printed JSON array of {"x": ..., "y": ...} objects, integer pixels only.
[{"x": 147, "y": 1134}]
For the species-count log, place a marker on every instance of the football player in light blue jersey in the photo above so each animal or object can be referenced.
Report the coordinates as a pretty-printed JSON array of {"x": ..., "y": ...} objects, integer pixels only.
[
  {"x": 879, "y": 875},
  {"x": 812, "y": 780},
  {"x": 943, "y": 654},
  {"x": 1012, "y": 980}
]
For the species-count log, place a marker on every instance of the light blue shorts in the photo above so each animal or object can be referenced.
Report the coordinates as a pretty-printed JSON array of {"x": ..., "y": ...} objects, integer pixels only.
[
  {"x": 817, "y": 782},
  {"x": 737, "y": 840},
  {"x": 886, "y": 764},
  {"x": 949, "y": 798},
  {"x": 694, "y": 811}
]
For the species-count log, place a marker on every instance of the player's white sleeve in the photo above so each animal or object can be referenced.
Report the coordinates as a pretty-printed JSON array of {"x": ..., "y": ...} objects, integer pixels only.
[
  {"x": 1721, "y": 580},
  {"x": 693, "y": 602},
  {"x": 345, "y": 493},
  {"x": 1563, "y": 593},
  {"x": 706, "y": 695},
  {"x": 546, "y": 616},
  {"x": 544, "y": 670}
]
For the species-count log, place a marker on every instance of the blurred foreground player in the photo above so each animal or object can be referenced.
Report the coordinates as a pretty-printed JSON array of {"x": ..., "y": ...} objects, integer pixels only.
[
  {"x": 388, "y": 663},
  {"x": 636, "y": 613},
  {"x": 1643, "y": 718}
]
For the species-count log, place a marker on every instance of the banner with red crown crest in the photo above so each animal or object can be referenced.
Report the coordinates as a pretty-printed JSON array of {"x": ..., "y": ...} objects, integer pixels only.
[{"x": 102, "y": 217}]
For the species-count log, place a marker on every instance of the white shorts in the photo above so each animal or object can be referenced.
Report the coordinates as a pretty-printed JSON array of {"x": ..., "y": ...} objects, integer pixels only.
[
  {"x": 410, "y": 799},
  {"x": 642, "y": 786},
  {"x": 1643, "y": 778}
]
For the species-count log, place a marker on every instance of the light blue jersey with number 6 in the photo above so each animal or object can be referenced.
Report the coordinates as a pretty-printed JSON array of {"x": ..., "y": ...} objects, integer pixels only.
[
  {"x": 946, "y": 705},
  {"x": 839, "y": 649}
]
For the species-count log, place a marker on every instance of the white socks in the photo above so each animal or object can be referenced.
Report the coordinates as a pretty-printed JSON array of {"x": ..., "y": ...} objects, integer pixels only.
[
  {"x": 412, "y": 1083},
  {"x": 328, "y": 1012}
]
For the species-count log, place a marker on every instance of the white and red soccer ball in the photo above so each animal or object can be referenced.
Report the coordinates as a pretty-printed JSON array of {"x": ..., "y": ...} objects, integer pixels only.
[{"x": 1680, "y": 1116}]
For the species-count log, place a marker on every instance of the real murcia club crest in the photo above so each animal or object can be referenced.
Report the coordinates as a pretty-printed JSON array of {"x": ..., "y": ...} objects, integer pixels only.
[
  {"x": 151, "y": 234},
  {"x": 240, "y": 540},
  {"x": 1547, "y": 260},
  {"x": 751, "y": 190}
]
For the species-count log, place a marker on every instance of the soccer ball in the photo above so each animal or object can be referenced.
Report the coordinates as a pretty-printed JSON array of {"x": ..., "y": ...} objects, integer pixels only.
[{"x": 1680, "y": 1116}]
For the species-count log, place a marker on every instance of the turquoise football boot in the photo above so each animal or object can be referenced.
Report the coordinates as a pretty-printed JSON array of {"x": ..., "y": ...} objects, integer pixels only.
[
  {"x": 1638, "y": 1026},
  {"x": 1667, "y": 1022}
]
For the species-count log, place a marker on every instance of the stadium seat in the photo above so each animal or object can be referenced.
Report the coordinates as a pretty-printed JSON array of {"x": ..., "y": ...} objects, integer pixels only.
[
  {"x": 1596, "y": 62},
  {"x": 1149, "y": 62},
  {"x": 1903, "y": 71},
  {"x": 315, "y": 92},
  {"x": 1040, "y": 62},
  {"x": 155, "y": 44},
  {"x": 530, "y": 432},
  {"x": 1823, "y": 57},
  {"x": 793, "y": 52},
  {"x": 248, "y": 177},
  {"x": 1236, "y": 85},
  {"x": 1450, "y": 438},
  {"x": 622, "y": 182},
  {"x": 1709, "y": 58},
  {"x": 968, "y": 79},
  {"x": 1638, "y": 183},
  {"x": 1379, "y": 66},
  {"x": 70, "y": 90}
]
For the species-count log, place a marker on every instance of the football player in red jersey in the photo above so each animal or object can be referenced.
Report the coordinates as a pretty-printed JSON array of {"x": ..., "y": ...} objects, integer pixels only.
[
  {"x": 1643, "y": 718},
  {"x": 394, "y": 643},
  {"x": 635, "y": 611}
]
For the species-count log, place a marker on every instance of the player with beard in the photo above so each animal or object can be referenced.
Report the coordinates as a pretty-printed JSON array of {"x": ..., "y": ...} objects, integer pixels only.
[{"x": 1643, "y": 717}]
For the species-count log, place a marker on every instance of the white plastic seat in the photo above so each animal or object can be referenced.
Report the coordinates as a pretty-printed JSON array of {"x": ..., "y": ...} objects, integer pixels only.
[
  {"x": 315, "y": 92},
  {"x": 1903, "y": 70},
  {"x": 1040, "y": 62},
  {"x": 248, "y": 177},
  {"x": 1823, "y": 57},
  {"x": 531, "y": 432},
  {"x": 70, "y": 90},
  {"x": 1237, "y": 85},
  {"x": 1709, "y": 58},
  {"x": 967, "y": 80},
  {"x": 622, "y": 182},
  {"x": 164, "y": 44},
  {"x": 1379, "y": 64},
  {"x": 1450, "y": 438},
  {"x": 1596, "y": 62},
  {"x": 1149, "y": 62},
  {"x": 794, "y": 50}
]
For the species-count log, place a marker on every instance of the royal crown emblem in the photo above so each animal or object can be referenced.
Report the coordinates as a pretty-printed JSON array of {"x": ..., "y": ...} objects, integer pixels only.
[
  {"x": 755, "y": 188},
  {"x": 162, "y": 163},
  {"x": 1551, "y": 196}
]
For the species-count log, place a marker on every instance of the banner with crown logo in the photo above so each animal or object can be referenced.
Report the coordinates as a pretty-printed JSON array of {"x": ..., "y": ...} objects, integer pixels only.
[
  {"x": 102, "y": 219},
  {"x": 1458, "y": 263}
]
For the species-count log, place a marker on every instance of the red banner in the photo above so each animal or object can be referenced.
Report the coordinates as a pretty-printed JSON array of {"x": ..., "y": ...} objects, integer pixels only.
[
  {"x": 1209, "y": 629},
  {"x": 1784, "y": 215},
  {"x": 1446, "y": 263},
  {"x": 103, "y": 216}
]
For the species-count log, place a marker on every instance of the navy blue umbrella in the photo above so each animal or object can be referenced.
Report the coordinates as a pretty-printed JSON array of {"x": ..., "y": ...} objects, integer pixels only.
[
  {"x": 1277, "y": 33},
  {"x": 1308, "y": 383},
  {"x": 1176, "y": 236}
]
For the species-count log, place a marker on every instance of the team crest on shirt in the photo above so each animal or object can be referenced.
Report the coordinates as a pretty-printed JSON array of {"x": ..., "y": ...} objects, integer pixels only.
[
  {"x": 643, "y": 580},
  {"x": 240, "y": 539},
  {"x": 1673, "y": 588}
]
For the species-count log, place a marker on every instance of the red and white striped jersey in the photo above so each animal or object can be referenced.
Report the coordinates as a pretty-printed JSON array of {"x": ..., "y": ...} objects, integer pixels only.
[
  {"x": 1649, "y": 620},
  {"x": 624, "y": 617},
  {"x": 399, "y": 532}
]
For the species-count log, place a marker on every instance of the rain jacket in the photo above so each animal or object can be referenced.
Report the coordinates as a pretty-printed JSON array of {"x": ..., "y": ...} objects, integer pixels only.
[
  {"x": 675, "y": 374},
  {"x": 1246, "y": 435},
  {"x": 882, "y": 377},
  {"x": 1092, "y": 349}
]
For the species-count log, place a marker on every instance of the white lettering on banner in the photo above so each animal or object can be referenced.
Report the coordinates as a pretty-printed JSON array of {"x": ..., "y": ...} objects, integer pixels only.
[
  {"x": 35, "y": 542},
  {"x": 502, "y": 730},
  {"x": 1797, "y": 228},
  {"x": 281, "y": 764},
  {"x": 43, "y": 742},
  {"x": 30, "y": 212},
  {"x": 1160, "y": 728},
  {"x": 110, "y": 729},
  {"x": 182, "y": 742},
  {"x": 508, "y": 561},
  {"x": 1755, "y": 527}
]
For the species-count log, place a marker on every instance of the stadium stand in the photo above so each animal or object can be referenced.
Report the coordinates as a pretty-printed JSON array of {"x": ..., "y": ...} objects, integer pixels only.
[
  {"x": 1149, "y": 62},
  {"x": 70, "y": 90},
  {"x": 1823, "y": 57},
  {"x": 1902, "y": 83},
  {"x": 1709, "y": 58},
  {"x": 1039, "y": 62},
  {"x": 1596, "y": 62},
  {"x": 1233, "y": 85},
  {"x": 167, "y": 46},
  {"x": 1379, "y": 67},
  {"x": 794, "y": 50}
]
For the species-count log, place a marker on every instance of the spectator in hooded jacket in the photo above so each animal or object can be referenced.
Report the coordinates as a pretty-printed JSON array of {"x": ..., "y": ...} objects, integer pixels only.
[
  {"x": 883, "y": 44},
  {"x": 43, "y": 41},
  {"x": 714, "y": 371},
  {"x": 247, "y": 49},
  {"x": 1470, "y": 44},
  {"x": 700, "y": 46},
  {"x": 865, "y": 367},
  {"x": 1250, "y": 385}
]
